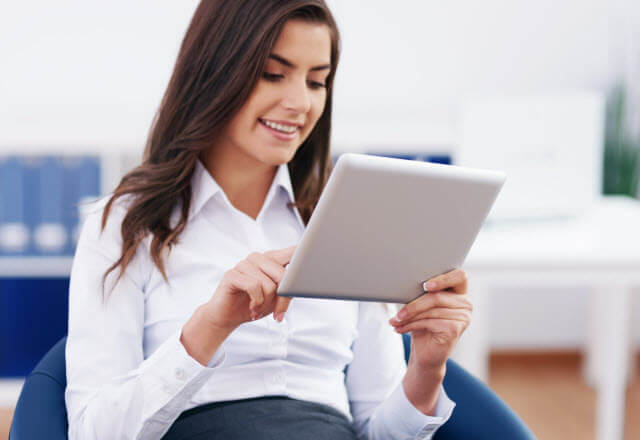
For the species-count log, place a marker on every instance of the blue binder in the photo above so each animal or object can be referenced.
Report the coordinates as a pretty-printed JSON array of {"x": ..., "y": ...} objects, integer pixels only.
[
  {"x": 33, "y": 316},
  {"x": 438, "y": 158},
  {"x": 405, "y": 156},
  {"x": 50, "y": 235},
  {"x": 81, "y": 184},
  {"x": 31, "y": 177},
  {"x": 14, "y": 233}
]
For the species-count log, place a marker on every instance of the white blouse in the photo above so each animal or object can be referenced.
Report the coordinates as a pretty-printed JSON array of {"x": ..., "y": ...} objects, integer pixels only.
[{"x": 129, "y": 377}]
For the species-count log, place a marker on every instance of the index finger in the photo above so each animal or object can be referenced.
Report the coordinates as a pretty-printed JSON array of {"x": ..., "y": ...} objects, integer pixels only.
[
  {"x": 282, "y": 304},
  {"x": 282, "y": 256},
  {"x": 454, "y": 278},
  {"x": 429, "y": 301}
]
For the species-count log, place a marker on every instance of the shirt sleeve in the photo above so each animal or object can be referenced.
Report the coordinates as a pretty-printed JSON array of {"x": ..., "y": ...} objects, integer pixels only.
[
  {"x": 378, "y": 403},
  {"x": 112, "y": 391}
]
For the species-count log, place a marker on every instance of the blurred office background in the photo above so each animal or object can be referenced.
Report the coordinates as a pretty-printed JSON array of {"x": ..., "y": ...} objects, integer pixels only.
[{"x": 548, "y": 91}]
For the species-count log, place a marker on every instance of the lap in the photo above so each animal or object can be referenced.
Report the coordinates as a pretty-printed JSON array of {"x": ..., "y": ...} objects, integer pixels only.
[{"x": 266, "y": 418}]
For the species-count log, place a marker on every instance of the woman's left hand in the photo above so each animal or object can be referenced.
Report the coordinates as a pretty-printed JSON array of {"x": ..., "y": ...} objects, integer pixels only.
[{"x": 436, "y": 320}]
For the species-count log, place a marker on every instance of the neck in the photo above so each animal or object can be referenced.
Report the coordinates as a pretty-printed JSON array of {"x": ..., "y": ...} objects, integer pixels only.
[{"x": 244, "y": 181}]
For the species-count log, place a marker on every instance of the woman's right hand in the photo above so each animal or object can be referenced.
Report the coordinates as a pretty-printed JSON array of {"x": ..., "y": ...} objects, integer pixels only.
[{"x": 248, "y": 291}]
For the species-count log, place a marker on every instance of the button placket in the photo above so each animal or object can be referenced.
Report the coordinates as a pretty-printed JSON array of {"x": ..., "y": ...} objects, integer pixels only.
[
  {"x": 427, "y": 430},
  {"x": 285, "y": 329}
]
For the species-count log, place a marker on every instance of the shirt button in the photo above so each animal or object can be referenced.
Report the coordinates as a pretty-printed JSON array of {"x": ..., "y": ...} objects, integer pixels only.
[
  {"x": 278, "y": 378},
  {"x": 180, "y": 374},
  {"x": 167, "y": 389}
]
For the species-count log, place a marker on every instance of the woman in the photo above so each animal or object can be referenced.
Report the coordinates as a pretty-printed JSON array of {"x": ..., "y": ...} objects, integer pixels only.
[{"x": 175, "y": 329}]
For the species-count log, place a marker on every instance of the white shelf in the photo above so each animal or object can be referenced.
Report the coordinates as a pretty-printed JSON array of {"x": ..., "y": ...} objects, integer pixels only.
[
  {"x": 35, "y": 267},
  {"x": 10, "y": 391},
  {"x": 350, "y": 135},
  {"x": 89, "y": 147}
]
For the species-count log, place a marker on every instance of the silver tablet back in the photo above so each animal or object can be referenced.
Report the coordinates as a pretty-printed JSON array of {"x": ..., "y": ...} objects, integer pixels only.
[{"x": 383, "y": 226}]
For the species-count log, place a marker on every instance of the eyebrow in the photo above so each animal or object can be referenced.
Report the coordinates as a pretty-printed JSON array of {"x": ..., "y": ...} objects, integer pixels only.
[{"x": 288, "y": 63}]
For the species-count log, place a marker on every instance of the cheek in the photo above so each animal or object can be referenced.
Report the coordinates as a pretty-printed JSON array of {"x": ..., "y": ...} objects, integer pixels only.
[
  {"x": 247, "y": 116},
  {"x": 317, "y": 107},
  {"x": 240, "y": 123}
]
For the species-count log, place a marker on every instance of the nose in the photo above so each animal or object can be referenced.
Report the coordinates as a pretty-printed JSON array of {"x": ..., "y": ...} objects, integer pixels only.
[{"x": 296, "y": 96}]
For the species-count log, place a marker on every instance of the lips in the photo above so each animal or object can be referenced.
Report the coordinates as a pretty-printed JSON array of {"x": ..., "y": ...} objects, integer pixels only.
[
  {"x": 286, "y": 127},
  {"x": 282, "y": 131}
]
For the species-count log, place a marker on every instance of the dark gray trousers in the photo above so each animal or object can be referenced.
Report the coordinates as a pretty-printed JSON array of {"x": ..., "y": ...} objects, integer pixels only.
[{"x": 264, "y": 418}]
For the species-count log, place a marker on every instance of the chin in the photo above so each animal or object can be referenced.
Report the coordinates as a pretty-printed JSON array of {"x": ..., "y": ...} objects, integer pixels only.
[{"x": 280, "y": 157}]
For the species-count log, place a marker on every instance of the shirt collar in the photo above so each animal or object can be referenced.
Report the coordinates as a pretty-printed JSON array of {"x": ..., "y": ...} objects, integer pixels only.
[
  {"x": 282, "y": 179},
  {"x": 204, "y": 187}
]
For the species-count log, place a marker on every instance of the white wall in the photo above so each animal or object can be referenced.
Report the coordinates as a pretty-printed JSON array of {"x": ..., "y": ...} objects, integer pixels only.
[
  {"x": 420, "y": 61},
  {"x": 75, "y": 73},
  {"x": 85, "y": 72}
]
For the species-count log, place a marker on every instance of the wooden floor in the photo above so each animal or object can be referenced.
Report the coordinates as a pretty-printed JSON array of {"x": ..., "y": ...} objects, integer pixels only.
[
  {"x": 548, "y": 392},
  {"x": 5, "y": 422},
  {"x": 545, "y": 389}
]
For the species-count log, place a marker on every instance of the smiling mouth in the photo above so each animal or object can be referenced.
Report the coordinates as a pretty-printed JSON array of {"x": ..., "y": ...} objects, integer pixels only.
[{"x": 280, "y": 127}]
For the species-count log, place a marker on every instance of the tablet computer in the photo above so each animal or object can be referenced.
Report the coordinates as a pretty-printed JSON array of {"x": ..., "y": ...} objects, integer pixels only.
[{"x": 383, "y": 226}]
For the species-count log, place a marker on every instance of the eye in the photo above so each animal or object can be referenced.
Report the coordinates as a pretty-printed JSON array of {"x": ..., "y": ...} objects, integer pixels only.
[
  {"x": 273, "y": 77},
  {"x": 317, "y": 85}
]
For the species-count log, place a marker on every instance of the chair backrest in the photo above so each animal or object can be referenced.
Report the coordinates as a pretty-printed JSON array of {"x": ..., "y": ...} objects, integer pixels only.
[
  {"x": 479, "y": 414},
  {"x": 41, "y": 411}
]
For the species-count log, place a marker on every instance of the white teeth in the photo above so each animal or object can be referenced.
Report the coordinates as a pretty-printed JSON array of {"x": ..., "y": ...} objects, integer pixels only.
[{"x": 280, "y": 127}]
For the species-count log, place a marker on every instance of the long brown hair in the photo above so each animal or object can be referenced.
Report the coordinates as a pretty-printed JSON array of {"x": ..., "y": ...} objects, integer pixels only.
[{"x": 220, "y": 61}]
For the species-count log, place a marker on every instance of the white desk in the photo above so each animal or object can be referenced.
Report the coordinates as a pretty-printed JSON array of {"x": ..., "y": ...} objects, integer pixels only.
[{"x": 599, "y": 251}]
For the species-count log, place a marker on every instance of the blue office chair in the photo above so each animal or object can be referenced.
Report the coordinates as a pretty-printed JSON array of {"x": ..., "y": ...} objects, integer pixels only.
[{"x": 479, "y": 414}]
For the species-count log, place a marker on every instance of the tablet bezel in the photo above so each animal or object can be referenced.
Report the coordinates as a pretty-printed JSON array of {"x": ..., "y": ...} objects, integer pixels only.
[{"x": 347, "y": 228}]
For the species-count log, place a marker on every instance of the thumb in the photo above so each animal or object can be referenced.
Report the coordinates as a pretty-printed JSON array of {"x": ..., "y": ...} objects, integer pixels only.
[
  {"x": 282, "y": 256},
  {"x": 282, "y": 304}
]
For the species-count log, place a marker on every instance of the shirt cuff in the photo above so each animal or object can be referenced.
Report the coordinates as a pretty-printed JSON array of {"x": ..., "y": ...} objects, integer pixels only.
[
  {"x": 218, "y": 358},
  {"x": 420, "y": 425},
  {"x": 183, "y": 370}
]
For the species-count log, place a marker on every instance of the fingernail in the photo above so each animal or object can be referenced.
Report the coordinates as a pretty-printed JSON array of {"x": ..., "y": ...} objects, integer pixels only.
[
  {"x": 430, "y": 286},
  {"x": 401, "y": 315}
]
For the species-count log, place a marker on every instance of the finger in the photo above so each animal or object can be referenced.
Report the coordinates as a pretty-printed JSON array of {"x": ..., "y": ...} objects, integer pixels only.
[
  {"x": 436, "y": 313},
  {"x": 456, "y": 279},
  {"x": 268, "y": 265},
  {"x": 252, "y": 270},
  {"x": 431, "y": 300},
  {"x": 250, "y": 286},
  {"x": 282, "y": 256},
  {"x": 282, "y": 305},
  {"x": 268, "y": 287},
  {"x": 445, "y": 330}
]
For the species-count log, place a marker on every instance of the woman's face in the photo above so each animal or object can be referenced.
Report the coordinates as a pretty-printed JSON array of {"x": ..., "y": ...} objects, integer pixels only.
[{"x": 287, "y": 101}]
